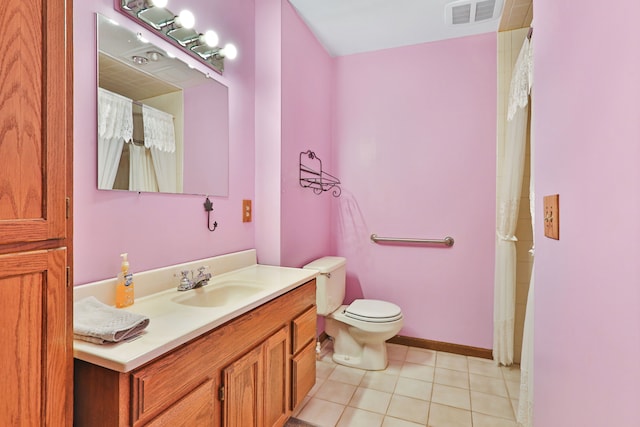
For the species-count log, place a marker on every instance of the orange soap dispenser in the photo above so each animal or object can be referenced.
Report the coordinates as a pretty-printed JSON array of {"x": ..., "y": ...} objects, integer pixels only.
[{"x": 124, "y": 286}]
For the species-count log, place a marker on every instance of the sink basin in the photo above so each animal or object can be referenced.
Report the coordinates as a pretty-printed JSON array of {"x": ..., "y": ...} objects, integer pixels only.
[{"x": 218, "y": 295}]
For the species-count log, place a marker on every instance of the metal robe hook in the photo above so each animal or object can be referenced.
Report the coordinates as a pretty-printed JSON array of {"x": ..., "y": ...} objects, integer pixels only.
[{"x": 208, "y": 207}]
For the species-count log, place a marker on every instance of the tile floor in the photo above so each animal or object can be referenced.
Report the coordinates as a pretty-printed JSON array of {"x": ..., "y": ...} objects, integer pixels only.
[{"x": 419, "y": 388}]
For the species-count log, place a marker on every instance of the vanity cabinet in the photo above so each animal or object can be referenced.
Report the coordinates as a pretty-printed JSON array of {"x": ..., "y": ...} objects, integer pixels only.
[{"x": 236, "y": 375}]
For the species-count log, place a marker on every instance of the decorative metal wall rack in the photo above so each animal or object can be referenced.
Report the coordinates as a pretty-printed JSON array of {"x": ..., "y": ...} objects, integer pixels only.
[{"x": 315, "y": 178}]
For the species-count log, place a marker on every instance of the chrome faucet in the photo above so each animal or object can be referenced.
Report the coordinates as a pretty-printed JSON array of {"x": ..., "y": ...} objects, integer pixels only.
[
  {"x": 202, "y": 278},
  {"x": 187, "y": 283}
]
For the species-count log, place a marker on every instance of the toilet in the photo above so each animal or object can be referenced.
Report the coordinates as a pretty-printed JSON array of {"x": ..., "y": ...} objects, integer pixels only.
[{"x": 360, "y": 329}]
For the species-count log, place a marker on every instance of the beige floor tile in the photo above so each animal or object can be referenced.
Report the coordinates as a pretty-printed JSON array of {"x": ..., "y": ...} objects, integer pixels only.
[
  {"x": 446, "y": 416},
  {"x": 370, "y": 400},
  {"x": 417, "y": 372},
  {"x": 321, "y": 413},
  {"x": 482, "y": 420},
  {"x": 447, "y": 390},
  {"x": 316, "y": 386},
  {"x": 514, "y": 406},
  {"x": 301, "y": 406},
  {"x": 335, "y": 391},
  {"x": 379, "y": 380},
  {"x": 511, "y": 373},
  {"x": 396, "y": 351},
  {"x": 409, "y": 409},
  {"x": 421, "y": 356},
  {"x": 489, "y": 385},
  {"x": 413, "y": 388},
  {"x": 484, "y": 367},
  {"x": 397, "y": 422},
  {"x": 453, "y": 378},
  {"x": 324, "y": 369},
  {"x": 394, "y": 367},
  {"x": 452, "y": 361},
  {"x": 451, "y": 396},
  {"x": 347, "y": 375},
  {"x": 514, "y": 389},
  {"x": 353, "y": 417},
  {"x": 491, "y": 405}
]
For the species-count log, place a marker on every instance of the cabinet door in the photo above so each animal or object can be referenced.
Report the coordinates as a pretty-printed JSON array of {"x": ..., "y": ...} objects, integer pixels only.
[
  {"x": 276, "y": 379},
  {"x": 34, "y": 359},
  {"x": 303, "y": 373},
  {"x": 33, "y": 130},
  {"x": 243, "y": 387}
]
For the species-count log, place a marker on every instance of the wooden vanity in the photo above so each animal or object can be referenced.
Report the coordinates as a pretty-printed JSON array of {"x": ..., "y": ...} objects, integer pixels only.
[{"x": 251, "y": 371}]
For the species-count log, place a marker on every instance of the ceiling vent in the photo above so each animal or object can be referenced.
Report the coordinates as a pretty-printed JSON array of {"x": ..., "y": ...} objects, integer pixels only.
[{"x": 470, "y": 12}]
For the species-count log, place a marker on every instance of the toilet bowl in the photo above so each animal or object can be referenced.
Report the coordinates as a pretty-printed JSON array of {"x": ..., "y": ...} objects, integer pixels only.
[{"x": 360, "y": 329}]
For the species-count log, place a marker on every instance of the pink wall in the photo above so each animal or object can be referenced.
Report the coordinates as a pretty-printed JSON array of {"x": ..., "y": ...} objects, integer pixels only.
[
  {"x": 414, "y": 145},
  {"x": 160, "y": 229},
  {"x": 268, "y": 128},
  {"x": 587, "y": 135},
  {"x": 307, "y": 71}
]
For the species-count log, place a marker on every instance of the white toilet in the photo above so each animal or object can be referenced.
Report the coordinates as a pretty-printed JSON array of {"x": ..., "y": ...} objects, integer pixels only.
[{"x": 359, "y": 330}]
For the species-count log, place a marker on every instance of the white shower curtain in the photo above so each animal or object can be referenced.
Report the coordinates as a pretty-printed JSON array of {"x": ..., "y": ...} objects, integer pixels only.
[
  {"x": 115, "y": 127},
  {"x": 142, "y": 175},
  {"x": 525, "y": 400},
  {"x": 508, "y": 197},
  {"x": 160, "y": 138}
]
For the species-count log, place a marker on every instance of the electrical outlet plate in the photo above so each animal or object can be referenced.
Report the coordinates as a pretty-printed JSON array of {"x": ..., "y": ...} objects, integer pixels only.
[
  {"x": 246, "y": 211},
  {"x": 552, "y": 216}
]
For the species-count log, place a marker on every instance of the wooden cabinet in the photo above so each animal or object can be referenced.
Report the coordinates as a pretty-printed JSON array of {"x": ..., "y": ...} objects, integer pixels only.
[
  {"x": 35, "y": 231},
  {"x": 303, "y": 361},
  {"x": 276, "y": 379},
  {"x": 236, "y": 375}
]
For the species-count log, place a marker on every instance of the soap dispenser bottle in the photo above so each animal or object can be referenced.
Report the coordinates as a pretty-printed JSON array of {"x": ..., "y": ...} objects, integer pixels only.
[{"x": 124, "y": 285}]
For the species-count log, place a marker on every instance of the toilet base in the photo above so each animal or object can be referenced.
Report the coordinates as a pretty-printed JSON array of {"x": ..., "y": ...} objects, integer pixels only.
[
  {"x": 369, "y": 362},
  {"x": 358, "y": 349}
]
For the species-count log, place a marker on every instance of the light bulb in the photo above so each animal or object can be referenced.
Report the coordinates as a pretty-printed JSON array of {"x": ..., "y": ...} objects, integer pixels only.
[
  {"x": 210, "y": 38},
  {"x": 229, "y": 51},
  {"x": 185, "y": 19},
  {"x": 159, "y": 3}
]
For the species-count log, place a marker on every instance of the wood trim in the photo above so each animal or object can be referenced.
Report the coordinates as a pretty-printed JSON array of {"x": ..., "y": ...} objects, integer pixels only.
[
  {"x": 465, "y": 350},
  {"x": 68, "y": 242}
]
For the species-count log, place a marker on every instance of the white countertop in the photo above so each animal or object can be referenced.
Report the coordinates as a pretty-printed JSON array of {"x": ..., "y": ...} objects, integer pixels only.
[{"x": 172, "y": 324}]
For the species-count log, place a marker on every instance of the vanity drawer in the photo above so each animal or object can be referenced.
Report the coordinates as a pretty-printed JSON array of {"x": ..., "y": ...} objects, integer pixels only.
[
  {"x": 303, "y": 329},
  {"x": 195, "y": 409},
  {"x": 170, "y": 379}
]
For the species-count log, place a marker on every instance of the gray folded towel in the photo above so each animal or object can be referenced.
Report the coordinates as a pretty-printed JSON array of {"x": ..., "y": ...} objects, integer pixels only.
[{"x": 98, "y": 323}]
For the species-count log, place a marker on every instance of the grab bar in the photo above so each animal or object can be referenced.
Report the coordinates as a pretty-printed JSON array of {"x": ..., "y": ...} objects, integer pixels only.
[{"x": 447, "y": 241}]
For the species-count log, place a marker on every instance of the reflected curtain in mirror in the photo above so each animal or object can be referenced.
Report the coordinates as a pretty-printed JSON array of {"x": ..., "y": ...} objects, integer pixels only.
[
  {"x": 115, "y": 127},
  {"x": 180, "y": 115}
]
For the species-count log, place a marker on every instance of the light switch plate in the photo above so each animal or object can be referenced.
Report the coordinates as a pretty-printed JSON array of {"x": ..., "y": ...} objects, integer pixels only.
[
  {"x": 246, "y": 211},
  {"x": 552, "y": 216}
]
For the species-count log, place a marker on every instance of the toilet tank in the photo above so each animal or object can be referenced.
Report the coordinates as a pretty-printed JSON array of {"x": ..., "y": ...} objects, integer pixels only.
[{"x": 330, "y": 284}]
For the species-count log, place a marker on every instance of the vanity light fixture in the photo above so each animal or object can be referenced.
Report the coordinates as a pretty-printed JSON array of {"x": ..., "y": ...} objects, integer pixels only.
[
  {"x": 140, "y": 60},
  {"x": 179, "y": 29},
  {"x": 154, "y": 55}
]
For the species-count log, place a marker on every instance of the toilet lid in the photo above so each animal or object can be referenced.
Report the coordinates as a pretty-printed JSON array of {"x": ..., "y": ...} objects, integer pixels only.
[{"x": 371, "y": 310}]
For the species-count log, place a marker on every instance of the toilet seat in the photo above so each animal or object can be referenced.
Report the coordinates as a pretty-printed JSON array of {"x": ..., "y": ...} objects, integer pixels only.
[{"x": 374, "y": 311}]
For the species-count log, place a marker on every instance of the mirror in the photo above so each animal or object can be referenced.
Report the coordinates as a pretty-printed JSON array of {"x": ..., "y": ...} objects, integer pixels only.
[{"x": 162, "y": 125}]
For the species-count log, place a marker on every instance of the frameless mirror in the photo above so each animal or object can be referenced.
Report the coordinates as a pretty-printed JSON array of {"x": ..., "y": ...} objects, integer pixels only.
[{"x": 162, "y": 125}]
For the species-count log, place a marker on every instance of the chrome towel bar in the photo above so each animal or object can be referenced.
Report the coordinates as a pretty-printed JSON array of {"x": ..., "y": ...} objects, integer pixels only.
[{"x": 447, "y": 241}]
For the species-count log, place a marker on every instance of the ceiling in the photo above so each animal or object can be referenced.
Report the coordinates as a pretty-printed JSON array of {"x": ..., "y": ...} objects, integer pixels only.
[
  {"x": 118, "y": 46},
  {"x": 346, "y": 27}
]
